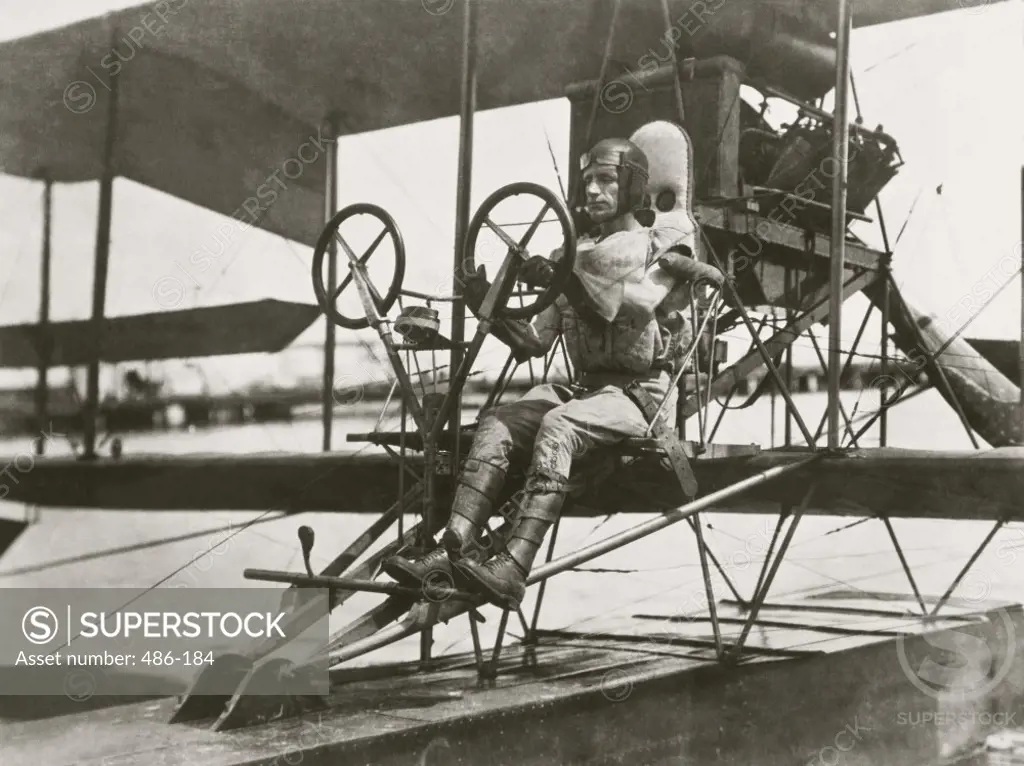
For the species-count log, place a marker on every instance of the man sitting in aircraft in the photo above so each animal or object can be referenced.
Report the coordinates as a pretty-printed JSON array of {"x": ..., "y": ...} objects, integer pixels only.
[{"x": 613, "y": 314}]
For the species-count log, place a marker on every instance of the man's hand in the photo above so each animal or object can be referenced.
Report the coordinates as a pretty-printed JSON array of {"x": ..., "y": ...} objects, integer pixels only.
[
  {"x": 475, "y": 288},
  {"x": 538, "y": 271}
]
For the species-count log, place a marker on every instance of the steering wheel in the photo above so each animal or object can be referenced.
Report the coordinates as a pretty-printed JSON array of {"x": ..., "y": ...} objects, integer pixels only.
[
  {"x": 517, "y": 253},
  {"x": 330, "y": 234}
]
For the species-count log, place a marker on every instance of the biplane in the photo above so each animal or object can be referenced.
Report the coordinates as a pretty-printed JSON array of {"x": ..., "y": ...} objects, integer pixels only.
[{"x": 230, "y": 70}]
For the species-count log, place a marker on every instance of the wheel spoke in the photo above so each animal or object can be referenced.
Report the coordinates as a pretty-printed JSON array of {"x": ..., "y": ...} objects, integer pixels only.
[
  {"x": 534, "y": 226},
  {"x": 362, "y": 260},
  {"x": 501, "y": 234},
  {"x": 359, "y": 264}
]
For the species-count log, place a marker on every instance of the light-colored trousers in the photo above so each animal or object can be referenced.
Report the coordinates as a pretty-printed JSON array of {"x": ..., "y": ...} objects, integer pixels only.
[{"x": 559, "y": 428}]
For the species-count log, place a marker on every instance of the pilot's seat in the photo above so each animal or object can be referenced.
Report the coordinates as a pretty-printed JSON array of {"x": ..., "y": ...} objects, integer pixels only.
[{"x": 670, "y": 187}]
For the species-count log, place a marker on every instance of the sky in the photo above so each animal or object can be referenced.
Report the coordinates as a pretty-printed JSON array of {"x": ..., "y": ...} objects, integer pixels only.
[{"x": 943, "y": 86}]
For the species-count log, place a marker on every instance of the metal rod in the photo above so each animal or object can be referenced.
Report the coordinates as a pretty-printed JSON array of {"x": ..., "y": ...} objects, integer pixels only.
[
  {"x": 496, "y": 652},
  {"x": 45, "y": 340},
  {"x": 967, "y": 566},
  {"x": 766, "y": 564},
  {"x": 790, "y": 314},
  {"x": 99, "y": 285},
  {"x": 605, "y": 58},
  {"x": 824, "y": 366},
  {"x": 467, "y": 110},
  {"x": 667, "y": 519},
  {"x": 762, "y": 595},
  {"x": 883, "y": 426},
  {"x": 330, "y": 207},
  {"x": 677, "y": 86},
  {"x": 702, "y": 552},
  {"x": 904, "y": 564},
  {"x": 531, "y": 633},
  {"x": 715, "y": 561},
  {"x": 734, "y": 298},
  {"x": 341, "y": 583},
  {"x": 856, "y": 341},
  {"x": 840, "y": 152}
]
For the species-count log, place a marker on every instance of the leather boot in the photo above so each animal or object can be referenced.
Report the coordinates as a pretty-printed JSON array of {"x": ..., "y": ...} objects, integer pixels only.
[
  {"x": 476, "y": 493},
  {"x": 502, "y": 579}
]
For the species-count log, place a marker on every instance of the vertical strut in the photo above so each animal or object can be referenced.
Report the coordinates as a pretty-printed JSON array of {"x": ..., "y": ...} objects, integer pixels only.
[
  {"x": 840, "y": 157},
  {"x": 99, "y": 285},
  {"x": 467, "y": 110},
  {"x": 532, "y": 632},
  {"x": 708, "y": 589},
  {"x": 330, "y": 207},
  {"x": 883, "y": 426},
  {"x": 45, "y": 340},
  {"x": 1021, "y": 369}
]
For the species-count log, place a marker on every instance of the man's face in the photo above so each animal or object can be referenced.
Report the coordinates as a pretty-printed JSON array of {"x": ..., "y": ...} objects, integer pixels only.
[{"x": 601, "y": 184}]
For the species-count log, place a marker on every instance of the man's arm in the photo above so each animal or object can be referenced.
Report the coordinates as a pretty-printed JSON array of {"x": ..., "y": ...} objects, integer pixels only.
[
  {"x": 673, "y": 265},
  {"x": 529, "y": 339}
]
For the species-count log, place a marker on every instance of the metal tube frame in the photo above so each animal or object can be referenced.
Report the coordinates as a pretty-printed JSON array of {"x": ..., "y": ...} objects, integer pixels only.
[
  {"x": 840, "y": 156},
  {"x": 330, "y": 208},
  {"x": 45, "y": 338},
  {"x": 102, "y": 265}
]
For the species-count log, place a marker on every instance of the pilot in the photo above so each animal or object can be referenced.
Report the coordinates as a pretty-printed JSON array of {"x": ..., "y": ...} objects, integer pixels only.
[{"x": 614, "y": 314}]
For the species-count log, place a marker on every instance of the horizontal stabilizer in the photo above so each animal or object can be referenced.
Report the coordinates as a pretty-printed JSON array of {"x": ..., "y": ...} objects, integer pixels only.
[
  {"x": 1001, "y": 353},
  {"x": 244, "y": 328}
]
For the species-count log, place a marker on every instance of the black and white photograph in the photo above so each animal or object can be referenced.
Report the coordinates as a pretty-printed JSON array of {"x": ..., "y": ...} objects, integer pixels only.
[{"x": 511, "y": 383}]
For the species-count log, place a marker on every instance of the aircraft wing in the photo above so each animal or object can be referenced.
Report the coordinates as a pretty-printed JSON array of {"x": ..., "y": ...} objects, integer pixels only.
[
  {"x": 221, "y": 103},
  {"x": 893, "y": 482},
  {"x": 243, "y": 328}
]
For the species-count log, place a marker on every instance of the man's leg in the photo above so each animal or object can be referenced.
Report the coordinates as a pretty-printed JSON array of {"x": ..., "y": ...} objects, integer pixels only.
[
  {"x": 503, "y": 432},
  {"x": 600, "y": 420}
]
